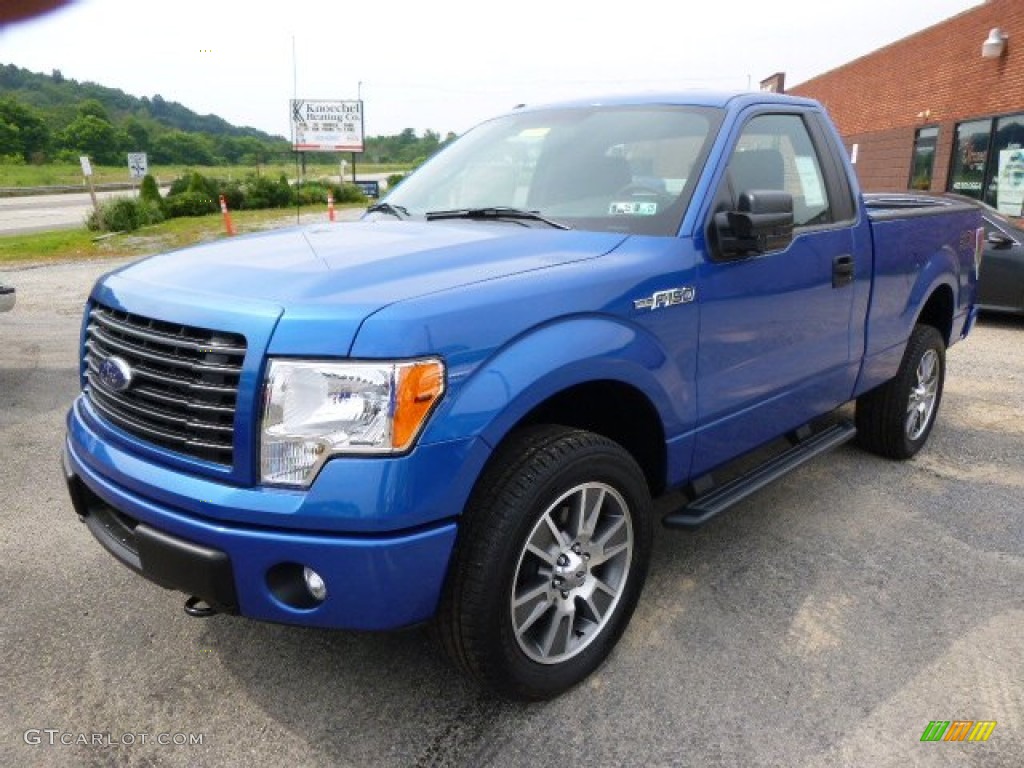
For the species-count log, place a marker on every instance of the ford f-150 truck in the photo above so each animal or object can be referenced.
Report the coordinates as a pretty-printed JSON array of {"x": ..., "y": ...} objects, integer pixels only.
[{"x": 457, "y": 410}]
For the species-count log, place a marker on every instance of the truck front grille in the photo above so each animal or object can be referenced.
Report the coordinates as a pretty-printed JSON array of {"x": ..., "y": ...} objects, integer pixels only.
[{"x": 183, "y": 385}]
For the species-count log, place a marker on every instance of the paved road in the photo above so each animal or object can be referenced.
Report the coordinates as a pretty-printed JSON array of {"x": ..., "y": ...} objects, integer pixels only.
[
  {"x": 41, "y": 213},
  {"x": 824, "y": 622}
]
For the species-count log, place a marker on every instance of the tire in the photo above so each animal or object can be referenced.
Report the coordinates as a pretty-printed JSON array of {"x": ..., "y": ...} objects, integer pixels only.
[
  {"x": 895, "y": 419},
  {"x": 528, "y": 614}
]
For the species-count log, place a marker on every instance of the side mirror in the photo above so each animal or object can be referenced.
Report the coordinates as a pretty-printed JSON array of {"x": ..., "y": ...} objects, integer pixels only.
[
  {"x": 762, "y": 222},
  {"x": 998, "y": 240}
]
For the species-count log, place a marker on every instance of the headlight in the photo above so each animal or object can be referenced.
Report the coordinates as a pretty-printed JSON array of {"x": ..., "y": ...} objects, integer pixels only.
[{"x": 312, "y": 410}]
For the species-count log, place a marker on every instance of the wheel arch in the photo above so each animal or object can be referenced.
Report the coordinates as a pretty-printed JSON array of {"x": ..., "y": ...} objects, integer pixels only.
[
  {"x": 938, "y": 311},
  {"x": 593, "y": 373},
  {"x": 633, "y": 422}
]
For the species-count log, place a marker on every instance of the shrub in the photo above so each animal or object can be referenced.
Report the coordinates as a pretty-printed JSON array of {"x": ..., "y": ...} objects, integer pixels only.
[
  {"x": 310, "y": 192},
  {"x": 149, "y": 191},
  {"x": 395, "y": 179},
  {"x": 348, "y": 193},
  {"x": 190, "y": 204},
  {"x": 197, "y": 183},
  {"x": 179, "y": 185},
  {"x": 192, "y": 182},
  {"x": 153, "y": 213},
  {"x": 233, "y": 193},
  {"x": 261, "y": 192},
  {"x": 124, "y": 214}
]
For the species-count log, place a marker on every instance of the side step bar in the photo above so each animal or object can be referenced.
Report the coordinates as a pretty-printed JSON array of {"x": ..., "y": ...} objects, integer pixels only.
[{"x": 706, "y": 506}]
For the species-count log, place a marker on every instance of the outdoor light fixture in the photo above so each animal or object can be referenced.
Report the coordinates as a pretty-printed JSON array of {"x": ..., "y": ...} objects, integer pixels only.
[{"x": 994, "y": 46}]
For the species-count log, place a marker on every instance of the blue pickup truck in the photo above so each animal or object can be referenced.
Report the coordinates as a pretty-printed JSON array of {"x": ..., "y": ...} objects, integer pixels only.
[{"x": 457, "y": 410}]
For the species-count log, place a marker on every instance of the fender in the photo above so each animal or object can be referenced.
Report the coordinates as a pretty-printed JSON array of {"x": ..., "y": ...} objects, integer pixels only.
[
  {"x": 548, "y": 359},
  {"x": 888, "y": 333}
]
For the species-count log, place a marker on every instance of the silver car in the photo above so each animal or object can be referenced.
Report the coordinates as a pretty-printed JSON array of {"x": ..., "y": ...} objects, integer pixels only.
[{"x": 6, "y": 298}]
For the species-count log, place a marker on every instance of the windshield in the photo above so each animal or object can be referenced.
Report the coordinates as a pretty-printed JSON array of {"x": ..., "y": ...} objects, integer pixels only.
[{"x": 614, "y": 169}]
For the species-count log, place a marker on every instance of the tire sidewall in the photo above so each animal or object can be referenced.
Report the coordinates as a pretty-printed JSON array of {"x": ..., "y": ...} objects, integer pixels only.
[
  {"x": 513, "y": 669},
  {"x": 925, "y": 338}
]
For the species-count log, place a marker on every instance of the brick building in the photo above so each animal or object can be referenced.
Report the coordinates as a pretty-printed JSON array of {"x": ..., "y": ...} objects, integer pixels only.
[{"x": 932, "y": 112}]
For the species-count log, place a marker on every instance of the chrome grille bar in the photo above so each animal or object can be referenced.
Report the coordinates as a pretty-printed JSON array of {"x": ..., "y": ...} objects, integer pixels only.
[{"x": 184, "y": 385}]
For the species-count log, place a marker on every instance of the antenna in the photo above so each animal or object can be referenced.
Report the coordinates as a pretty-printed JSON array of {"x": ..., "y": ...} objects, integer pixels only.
[{"x": 295, "y": 97}]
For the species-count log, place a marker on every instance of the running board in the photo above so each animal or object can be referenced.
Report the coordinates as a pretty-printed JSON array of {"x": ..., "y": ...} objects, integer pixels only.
[{"x": 707, "y": 505}]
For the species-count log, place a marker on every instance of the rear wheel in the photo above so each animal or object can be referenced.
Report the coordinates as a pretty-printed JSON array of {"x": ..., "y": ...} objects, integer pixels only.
[
  {"x": 550, "y": 563},
  {"x": 895, "y": 419}
]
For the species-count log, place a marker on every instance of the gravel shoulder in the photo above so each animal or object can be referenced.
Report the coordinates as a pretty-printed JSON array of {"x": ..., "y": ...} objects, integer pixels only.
[{"x": 824, "y": 621}]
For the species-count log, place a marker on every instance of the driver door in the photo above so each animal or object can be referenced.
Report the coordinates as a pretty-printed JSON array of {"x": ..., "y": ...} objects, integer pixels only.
[{"x": 775, "y": 327}]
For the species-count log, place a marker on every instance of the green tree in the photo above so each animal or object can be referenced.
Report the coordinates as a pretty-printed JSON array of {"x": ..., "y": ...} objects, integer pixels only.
[
  {"x": 10, "y": 143},
  {"x": 429, "y": 143},
  {"x": 23, "y": 131},
  {"x": 137, "y": 133},
  {"x": 89, "y": 135},
  {"x": 181, "y": 147},
  {"x": 95, "y": 108}
]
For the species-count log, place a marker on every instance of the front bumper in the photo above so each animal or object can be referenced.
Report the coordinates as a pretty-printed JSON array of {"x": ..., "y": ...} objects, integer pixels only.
[{"x": 374, "y": 581}]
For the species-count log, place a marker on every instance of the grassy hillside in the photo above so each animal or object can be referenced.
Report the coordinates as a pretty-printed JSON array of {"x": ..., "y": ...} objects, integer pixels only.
[{"x": 52, "y": 119}]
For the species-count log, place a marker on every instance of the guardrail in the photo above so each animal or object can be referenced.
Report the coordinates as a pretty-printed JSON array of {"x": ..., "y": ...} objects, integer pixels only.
[{"x": 64, "y": 189}]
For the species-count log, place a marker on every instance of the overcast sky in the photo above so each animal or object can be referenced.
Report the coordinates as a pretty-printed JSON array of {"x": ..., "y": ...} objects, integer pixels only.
[{"x": 447, "y": 64}]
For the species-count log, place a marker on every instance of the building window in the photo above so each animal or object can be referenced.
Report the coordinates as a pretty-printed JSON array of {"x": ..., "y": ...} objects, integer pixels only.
[
  {"x": 923, "y": 162},
  {"x": 988, "y": 162},
  {"x": 970, "y": 154},
  {"x": 1005, "y": 187}
]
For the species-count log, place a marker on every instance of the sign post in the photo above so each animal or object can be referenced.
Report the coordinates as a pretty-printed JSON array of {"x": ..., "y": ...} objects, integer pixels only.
[
  {"x": 87, "y": 172},
  {"x": 328, "y": 126}
]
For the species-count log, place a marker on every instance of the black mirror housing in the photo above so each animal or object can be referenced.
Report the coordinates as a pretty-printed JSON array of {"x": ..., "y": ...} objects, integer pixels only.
[
  {"x": 762, "y": 222},
  {"x": 998, "y": 240}
]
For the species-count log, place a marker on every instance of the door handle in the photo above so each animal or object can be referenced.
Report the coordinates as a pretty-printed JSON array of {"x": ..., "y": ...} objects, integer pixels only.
[{"x": 842, "y": 271}]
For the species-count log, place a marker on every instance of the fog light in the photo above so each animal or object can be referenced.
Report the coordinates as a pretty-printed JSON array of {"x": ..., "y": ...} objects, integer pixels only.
[
  {"x": 297, "y": 586},
  {"x": 314, "y": 584}
]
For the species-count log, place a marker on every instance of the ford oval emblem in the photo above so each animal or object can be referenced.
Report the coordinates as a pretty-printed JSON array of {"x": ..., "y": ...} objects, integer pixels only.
[{"x": 115, "y": 374}]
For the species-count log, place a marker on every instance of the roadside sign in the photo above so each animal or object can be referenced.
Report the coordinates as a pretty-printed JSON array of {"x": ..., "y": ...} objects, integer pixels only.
[
  {"x": 87, "y": 172},
  {"x": 138, "y": 164},
  {"x": 369, "y": 188},
  {"x": 327, "y": 126}
]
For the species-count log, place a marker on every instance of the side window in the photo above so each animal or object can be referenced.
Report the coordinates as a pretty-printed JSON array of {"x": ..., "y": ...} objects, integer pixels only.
[{"x": 776, "y": 152}]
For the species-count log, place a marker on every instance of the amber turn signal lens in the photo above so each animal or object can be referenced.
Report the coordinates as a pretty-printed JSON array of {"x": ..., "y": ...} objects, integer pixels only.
[{"x": 420, "y": 385}]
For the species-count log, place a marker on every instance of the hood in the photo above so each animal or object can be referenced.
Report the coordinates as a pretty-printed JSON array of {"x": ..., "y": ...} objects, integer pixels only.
[{"x": 326, "y": 279}]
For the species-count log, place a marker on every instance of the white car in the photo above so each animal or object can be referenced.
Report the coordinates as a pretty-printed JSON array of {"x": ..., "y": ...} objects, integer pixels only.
[{"x": 6, "y": 298}]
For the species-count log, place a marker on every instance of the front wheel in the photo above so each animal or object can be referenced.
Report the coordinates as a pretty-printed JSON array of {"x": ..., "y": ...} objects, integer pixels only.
[
  {"x": 895, "y": 419},
  {"x": 551, "y": 559}
]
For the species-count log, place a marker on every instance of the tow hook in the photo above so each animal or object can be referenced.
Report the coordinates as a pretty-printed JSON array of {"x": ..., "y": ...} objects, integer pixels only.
[{"x": 198, "y": 608}]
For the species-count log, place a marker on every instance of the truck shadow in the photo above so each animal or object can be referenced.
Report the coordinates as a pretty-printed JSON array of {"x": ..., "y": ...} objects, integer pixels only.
[
  {"x": 802, "y": 606},
  {"x": 1001, "y": 320},
  {"x": 364, "y": 698}
]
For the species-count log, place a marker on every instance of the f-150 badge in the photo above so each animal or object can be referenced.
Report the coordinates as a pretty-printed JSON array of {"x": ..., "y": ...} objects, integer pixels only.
[{"x": 666, "y": 298}]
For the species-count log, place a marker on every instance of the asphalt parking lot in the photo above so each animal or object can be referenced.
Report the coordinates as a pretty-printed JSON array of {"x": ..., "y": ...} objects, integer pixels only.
[{"x": 824, "y": 622}]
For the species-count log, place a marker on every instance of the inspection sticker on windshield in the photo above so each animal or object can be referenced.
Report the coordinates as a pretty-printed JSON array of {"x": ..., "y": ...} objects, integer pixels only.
[{"x": 633, "y": 209}]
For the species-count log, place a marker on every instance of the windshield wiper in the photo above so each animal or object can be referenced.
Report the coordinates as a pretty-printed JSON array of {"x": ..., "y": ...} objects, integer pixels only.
[
  {"x": 398, "y": 211},
  {"x": 498, "y": 212}
]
